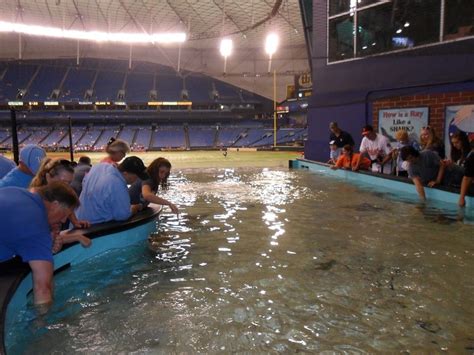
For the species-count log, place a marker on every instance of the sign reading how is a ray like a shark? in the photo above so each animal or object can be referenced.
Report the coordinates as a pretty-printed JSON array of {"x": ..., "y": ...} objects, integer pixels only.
[{"x": 409, "y": 119}]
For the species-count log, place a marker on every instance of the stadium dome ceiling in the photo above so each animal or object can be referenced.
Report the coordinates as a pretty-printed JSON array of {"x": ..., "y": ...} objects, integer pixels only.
[{"x": 206, "y": 22}]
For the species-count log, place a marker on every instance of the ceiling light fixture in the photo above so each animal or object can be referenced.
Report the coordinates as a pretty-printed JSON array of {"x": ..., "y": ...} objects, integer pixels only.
[
  {"x": 226, "y": 50},
  {"x": 271, "y": 46},
  {"x": 96, "y": 36}
]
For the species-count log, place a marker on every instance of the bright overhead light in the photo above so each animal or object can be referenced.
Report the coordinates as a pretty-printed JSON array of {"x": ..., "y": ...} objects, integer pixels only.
[
  {"x": 271, "y": 44},
  {"x": 97, "y": 36},
  {"x": 226, "y": 47}
]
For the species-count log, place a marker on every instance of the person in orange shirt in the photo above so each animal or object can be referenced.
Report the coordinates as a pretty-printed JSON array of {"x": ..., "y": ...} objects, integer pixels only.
[{"x": 348, "y": 159}]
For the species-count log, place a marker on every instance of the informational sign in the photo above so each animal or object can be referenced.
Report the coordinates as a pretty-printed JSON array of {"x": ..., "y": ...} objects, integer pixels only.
[
  {"x": 458, "y": 118},
  {"x": 304, "y": 81},
  {"x": 303, "y": 85},
  {"x": 409, "y": 119}
]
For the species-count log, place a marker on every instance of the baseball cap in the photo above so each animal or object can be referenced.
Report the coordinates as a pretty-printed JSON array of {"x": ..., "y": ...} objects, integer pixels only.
[
  {"x": 31, "y": 155},
  {"x": 135, "y": 166}
]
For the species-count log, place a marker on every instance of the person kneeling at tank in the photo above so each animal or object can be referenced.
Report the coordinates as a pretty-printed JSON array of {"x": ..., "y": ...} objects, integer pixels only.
[{"x": 30, "y": 230}]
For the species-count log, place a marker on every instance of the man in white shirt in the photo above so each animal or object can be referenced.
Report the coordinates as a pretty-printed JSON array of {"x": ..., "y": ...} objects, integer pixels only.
[{"x": 377, "y": 147}]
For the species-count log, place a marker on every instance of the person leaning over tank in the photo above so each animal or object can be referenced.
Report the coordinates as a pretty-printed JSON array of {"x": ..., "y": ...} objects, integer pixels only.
[
  {"x": 58, "y": 170},
  {"x": 104, "y": 195},
  {"x": 403, "y": 140},
  {"x": 349, "y": 159},
  {"x": 28, "y": 220},
  {"x": 144, "y": 191},
  {"x": 452, "y": 170},
  {"x": 116, "y": 150},
  {"x": 377, "y": 148},
  {"x": 424, "y": 169},
  {"x": 31, "y": 157}
]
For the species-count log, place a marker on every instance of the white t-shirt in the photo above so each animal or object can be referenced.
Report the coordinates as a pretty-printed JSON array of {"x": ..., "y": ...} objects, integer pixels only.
[{"x": 380, "y": 146}]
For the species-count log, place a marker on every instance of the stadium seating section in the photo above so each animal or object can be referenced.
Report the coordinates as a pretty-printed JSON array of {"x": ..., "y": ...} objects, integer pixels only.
[
  {"x": 94, "y": 138},
  {"x": 107, "y": 80},
  {"x": 96, "y": 80}
]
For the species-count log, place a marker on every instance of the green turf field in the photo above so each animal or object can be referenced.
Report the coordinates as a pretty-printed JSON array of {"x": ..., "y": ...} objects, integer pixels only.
[{"x": 205, "y": 159}]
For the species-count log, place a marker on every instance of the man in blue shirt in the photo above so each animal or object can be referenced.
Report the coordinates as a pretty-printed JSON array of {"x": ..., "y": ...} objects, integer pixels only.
[
  {"x": 104, "y": 195},
  {"x": 6, "y": 165},
  {"x": 27, "y": 221},
  {"x": 30, "y": 160}
]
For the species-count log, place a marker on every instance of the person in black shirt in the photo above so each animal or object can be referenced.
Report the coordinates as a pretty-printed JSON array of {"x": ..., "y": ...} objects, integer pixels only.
[{"x": 340, "y": 137}]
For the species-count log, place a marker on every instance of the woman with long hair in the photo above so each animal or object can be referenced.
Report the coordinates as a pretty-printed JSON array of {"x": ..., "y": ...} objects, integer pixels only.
[
  {"x": 430, "y": 141},
  {"x": 145, "y": 191},
  {"x": 57, "y": 170},
  {"x": 460, "y": 147}
]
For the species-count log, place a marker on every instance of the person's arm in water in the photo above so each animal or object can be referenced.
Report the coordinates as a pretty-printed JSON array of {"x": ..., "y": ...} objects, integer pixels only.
[
  {"x": 419, "y": 187},
  {"x": 150, "y": 196},
  {"x": 465, "y": 183},
  {"x": 42, "y": 271}
]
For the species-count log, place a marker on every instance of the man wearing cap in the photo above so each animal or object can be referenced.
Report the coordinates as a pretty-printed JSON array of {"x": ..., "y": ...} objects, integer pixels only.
[
  {"x": 30, "y": 160},
  {"x": 377, "y": 147},
  {"x": 104, "y": 195},
  {"x": 340, "y": 137}
]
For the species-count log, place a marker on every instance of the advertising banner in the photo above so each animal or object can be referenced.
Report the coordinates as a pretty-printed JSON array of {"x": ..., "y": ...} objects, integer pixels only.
[
  {"x": 458, "y": 118},
  {"x": 409, "y": 119}
]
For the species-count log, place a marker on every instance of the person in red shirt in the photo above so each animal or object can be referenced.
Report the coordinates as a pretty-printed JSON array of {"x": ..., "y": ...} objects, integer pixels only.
[{"x": 348, "y": 159}]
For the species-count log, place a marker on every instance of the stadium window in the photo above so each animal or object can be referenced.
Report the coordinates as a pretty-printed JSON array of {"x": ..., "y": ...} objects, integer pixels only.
[
  {"x": 338, "y": 6},
  {"x": 393, "y": 26},
  {"x": 458, "y": 19},
  {"x": 384, "y": 26},
  {"x": 375, "y": 30},
  {"x": 341, "y": 40}
]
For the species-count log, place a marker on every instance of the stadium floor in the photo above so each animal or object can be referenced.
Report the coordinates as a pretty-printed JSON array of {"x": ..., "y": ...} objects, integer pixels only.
[{"x": 203, "y": 159}]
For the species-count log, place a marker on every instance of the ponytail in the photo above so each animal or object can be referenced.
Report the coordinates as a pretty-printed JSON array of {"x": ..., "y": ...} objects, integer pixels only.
[{"x": 40, "y": 177}]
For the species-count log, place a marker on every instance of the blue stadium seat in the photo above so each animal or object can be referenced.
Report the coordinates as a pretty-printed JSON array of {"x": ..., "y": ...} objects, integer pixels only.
[
  {"x": 45, "y": 82},
  {"x": 77, "y": 82},
  {"x": 201, "y": 137},
  {"x": 17, "y": 76}
]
